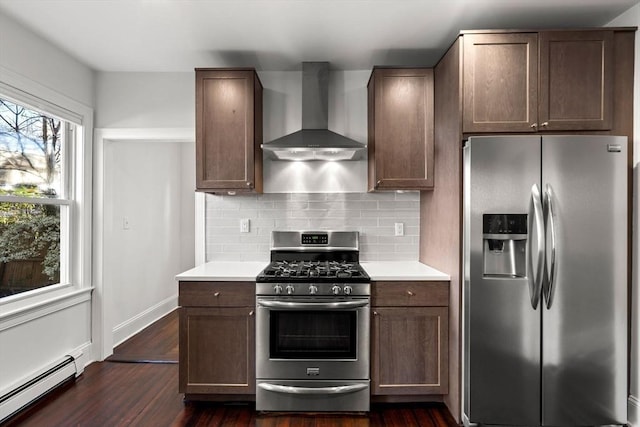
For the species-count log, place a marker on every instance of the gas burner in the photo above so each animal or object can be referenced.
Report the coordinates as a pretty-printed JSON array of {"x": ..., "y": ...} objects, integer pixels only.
[
  {"x": 312, "y": 271},
  {"x": 314, "y": 257}
]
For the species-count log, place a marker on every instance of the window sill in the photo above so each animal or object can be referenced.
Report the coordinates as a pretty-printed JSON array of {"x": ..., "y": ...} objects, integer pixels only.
[{"x": 16, "y": 311}]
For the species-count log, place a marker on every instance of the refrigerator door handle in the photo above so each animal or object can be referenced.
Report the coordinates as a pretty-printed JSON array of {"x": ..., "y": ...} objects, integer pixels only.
[
  {"x": 548, "y": 290},
  {"x": 535, "y": 218}
]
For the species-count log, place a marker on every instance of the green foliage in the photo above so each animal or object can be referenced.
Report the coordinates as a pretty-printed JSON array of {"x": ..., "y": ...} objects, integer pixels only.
[{"x": 30, "y": 230}]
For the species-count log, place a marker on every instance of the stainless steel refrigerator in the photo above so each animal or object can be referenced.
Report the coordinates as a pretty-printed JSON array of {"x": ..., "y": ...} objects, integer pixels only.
[{"x": 545, "y": 280}]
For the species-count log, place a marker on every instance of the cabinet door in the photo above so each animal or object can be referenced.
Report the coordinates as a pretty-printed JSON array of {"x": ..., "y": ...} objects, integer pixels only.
[
  {"x": 500, "y": 82},
  {"x": 401, "y": 130},
  {"x": 576, "y": 80},
  {"x": 217, "y": 353},
  {"x": 225, "y": 134},
  {"x": 410, "y": 351}
]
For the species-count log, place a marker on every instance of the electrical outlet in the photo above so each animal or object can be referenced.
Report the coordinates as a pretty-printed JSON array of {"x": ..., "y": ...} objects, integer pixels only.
[
  {"x": 399, "y": 229},
  {"x": 244, "y": 225},
  {"x": 125, "y": 223}
]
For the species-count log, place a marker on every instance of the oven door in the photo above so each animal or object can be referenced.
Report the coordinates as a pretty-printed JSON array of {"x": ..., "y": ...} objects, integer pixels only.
[{"x": 319, "y": 338}]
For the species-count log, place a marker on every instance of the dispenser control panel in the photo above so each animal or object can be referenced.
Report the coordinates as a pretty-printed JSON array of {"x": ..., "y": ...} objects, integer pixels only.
[{"x": 504, "y": 223}]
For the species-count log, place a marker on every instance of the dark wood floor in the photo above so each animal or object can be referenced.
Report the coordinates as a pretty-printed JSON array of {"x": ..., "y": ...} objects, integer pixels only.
[
  {"x": 146, "y": 394},
  {"x": 156, "y": 343}
]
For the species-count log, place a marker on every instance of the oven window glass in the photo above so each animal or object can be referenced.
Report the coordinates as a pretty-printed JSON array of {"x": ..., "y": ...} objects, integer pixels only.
[{"x": 313, "y": 334}]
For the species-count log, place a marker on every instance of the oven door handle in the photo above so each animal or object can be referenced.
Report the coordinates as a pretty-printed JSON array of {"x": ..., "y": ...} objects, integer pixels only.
[
  {"x": 343, "y": 389},
  {"x": 312, "y": 305}
]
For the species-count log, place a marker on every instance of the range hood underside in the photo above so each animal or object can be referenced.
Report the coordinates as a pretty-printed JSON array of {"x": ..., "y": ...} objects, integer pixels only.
[{"x": 314, "y": 144}]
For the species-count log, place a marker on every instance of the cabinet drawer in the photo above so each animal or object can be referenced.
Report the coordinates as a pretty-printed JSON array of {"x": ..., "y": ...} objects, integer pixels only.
[
  {"x": 217, "y": 294},
  {"x": 401, "y": 293}
]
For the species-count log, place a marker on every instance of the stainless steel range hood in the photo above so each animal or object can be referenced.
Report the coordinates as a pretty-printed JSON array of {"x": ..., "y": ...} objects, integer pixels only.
[{"x": 314, "y": 141}]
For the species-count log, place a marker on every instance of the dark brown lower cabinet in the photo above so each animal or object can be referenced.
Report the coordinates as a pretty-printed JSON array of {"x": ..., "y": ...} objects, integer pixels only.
[
  {"x": 217, "y": 349},
  {"x": 410, "y": 343}
]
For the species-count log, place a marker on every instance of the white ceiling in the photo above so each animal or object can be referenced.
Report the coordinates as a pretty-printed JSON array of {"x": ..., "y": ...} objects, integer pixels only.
[{"x": 179, "y": 35}]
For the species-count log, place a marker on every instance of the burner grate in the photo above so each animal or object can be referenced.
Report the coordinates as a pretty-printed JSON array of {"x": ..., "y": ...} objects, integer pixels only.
[{"x": 313, "y": 269}]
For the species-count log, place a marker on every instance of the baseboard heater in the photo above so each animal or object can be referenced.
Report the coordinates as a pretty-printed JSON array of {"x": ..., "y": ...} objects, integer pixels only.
[{"x": 24, "y": 395}]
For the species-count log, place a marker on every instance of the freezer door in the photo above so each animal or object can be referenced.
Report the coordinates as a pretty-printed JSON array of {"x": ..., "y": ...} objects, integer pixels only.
[
  {"x": 585, "y": 328},
  {"x": 502, "y": 329}
]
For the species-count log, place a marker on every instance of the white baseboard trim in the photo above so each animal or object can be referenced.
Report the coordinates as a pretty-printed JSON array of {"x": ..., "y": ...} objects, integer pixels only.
[
  {"x": 83, "y": 356},
  {"x": 130, "y": 327},
  {"x": 633, "y": 410},
  {"x": 40, "y": 382}
]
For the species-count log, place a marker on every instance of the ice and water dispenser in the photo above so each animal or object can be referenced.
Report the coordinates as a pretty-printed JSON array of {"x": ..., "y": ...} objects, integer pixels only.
[{"x": 504, "y": 245}]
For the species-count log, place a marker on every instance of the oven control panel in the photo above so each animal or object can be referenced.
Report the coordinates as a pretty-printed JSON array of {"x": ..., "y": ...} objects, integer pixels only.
[
  {"x": 315, "y": 239},
  {"x": 313, "y": 289}
]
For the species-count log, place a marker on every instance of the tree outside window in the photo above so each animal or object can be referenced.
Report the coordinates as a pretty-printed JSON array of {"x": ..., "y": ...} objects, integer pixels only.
[{"x": 32, "y": 195}]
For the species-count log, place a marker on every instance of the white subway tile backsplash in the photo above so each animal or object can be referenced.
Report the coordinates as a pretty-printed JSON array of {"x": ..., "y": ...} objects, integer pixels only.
[
  {"x": 398, "y": 205},
  {"x": 308, "y": 196},
  {"x": 408, "y": 195},
  {"x": 408, "y": 222},
  {"x": 307, "y": 213},
  {"x": 404, "y": 240},
  {"x": 392, "y": 213},
  {"x": 292, "y": 224},
  {"x": 291, "y": 205},
  {"x": 240, "y": 213},
  {"x": 372, "y": 214},
  {"x": 227, "y": 238}
]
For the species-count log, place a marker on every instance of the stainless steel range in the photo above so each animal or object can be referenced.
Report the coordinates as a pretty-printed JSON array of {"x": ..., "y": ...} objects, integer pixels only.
[{"x": 312, "y": 324}]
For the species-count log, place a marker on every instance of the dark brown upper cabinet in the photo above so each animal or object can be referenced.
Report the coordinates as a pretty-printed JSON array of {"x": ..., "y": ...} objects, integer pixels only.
[
  {"x": 531, "y": 82},
  {"x": 228, "y": 130},
  {"x": 400, "y": 129},
  {"x": 576, "y": 80}
]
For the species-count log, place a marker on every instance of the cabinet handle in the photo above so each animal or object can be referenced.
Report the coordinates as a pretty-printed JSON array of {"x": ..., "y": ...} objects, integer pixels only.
[
  {"x": 545, "y": 124},
  {"x": 533, "y": 126},
  {"x": 378, "y": 183},
  {"x": 410, "y": 293},
  {"x": 375, "y": 313},
  {"x": 251, "y": 313},
  {"x": 248, "y": 183},
  {"x": 217, "y": 294}
]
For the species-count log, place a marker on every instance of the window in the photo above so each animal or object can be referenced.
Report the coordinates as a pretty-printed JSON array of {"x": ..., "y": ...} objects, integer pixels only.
[{"x": 34, "y": 198}]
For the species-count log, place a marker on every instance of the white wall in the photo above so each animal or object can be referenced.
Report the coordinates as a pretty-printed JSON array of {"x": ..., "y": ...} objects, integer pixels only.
[
  {"x": 145, "y": 100},
  {"x": 632, "y": 18},
  {"x": 146, "y": 183},
  {"x": 28, "y": 55},
  {"x": 34, "y": 332}
]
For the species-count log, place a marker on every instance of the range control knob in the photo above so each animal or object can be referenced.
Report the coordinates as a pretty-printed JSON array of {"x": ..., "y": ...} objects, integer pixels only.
[
  {"x": 313, "y": 289},
  {"x": 277, "y": 289},
  {"x": 290, "y": 289},
  {"x": 335, "y": 290},
  {"x": 347, "y": 290}
]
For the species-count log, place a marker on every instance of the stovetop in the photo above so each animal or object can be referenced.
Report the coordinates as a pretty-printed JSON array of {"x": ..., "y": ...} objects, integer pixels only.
[
  {"x": 313, "y": 271},
  {"x": 314, "y": 257}
]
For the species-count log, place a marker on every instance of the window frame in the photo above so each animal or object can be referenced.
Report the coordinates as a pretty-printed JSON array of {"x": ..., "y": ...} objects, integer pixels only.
[
  {"x": 64, "y": 201},
  {"x": 75, "y": 246}
]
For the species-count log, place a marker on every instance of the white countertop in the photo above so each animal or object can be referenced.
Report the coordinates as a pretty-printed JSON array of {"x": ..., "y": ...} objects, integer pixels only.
[
  {"x": 236, "y": 271},
  {"x": 241, "y": 271},
  {"x": 402, "y": 270}
]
